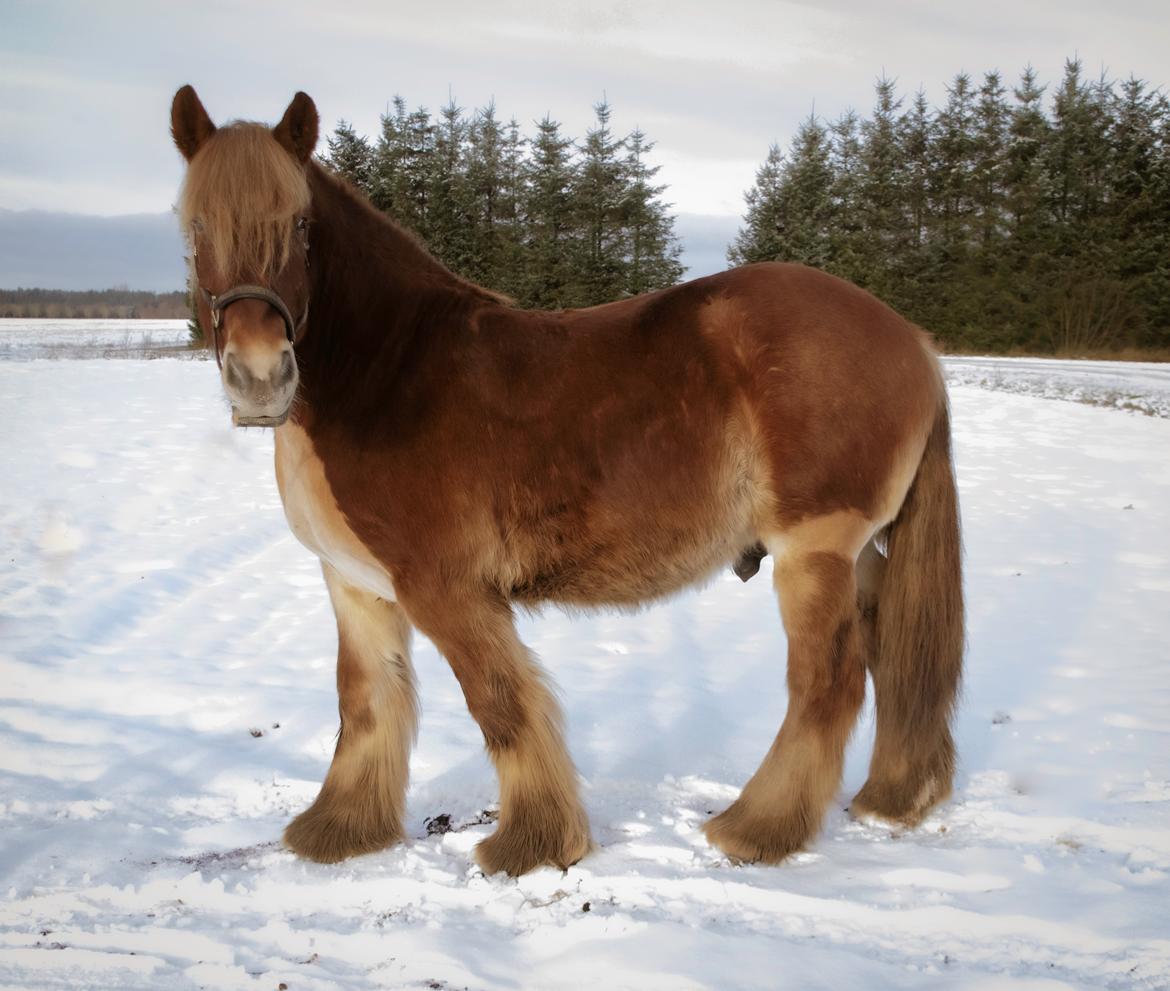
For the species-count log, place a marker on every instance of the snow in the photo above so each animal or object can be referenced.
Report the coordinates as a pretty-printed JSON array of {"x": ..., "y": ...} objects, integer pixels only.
[
  {"x": 167, "y": 703},
  {"x": 1132, "y": 385},
  {"x": 26, "y": 339}
]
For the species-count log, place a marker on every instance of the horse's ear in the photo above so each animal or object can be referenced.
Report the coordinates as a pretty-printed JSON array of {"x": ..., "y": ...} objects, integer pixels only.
[
  {"x": 190, "y": 125},
  {"x": 297, "y": 129}
]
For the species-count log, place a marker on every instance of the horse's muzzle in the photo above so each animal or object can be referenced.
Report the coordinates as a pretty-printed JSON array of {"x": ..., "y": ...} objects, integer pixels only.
[{"x": 260, "y": 384}]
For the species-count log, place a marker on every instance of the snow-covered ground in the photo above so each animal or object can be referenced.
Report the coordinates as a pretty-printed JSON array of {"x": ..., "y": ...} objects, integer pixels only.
[
  {"x": 24, "y": 340},
  {"x": 1131, "y": 385},
  {"x": 167, "y": 703}
]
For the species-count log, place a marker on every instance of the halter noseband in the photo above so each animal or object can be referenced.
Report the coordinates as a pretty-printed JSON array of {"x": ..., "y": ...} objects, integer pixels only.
[{"x": 217, "y": 304}]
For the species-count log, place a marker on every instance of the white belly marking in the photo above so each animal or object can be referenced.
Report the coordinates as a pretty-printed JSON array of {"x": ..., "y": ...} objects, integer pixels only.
[{"x": 314, "y": 517}]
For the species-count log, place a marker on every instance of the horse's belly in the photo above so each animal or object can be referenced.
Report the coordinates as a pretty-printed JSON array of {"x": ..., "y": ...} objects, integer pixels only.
[{"x": 314, "y": 517}]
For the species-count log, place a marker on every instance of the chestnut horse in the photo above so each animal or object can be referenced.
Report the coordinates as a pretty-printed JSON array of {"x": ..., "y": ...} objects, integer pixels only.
[{"x": 449, "y": 456}]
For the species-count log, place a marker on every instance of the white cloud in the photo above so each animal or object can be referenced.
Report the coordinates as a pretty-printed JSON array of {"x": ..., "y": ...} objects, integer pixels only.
[{"x": 85, "y": 97}]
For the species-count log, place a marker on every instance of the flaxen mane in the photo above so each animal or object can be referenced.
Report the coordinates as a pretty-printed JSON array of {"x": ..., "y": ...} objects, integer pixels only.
[{"x": 243, "y": 193}]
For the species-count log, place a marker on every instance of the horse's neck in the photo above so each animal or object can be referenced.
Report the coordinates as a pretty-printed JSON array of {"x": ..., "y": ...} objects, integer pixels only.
[
  {"x": 367, "y": 253},
  {"x": 372, "y": 285}
]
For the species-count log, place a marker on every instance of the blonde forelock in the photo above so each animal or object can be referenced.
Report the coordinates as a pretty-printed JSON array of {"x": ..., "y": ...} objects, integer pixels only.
[{"x": 243, "y": 192}]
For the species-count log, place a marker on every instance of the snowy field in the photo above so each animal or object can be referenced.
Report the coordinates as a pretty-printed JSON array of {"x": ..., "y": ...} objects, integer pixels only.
[
  {"x": 25, "y": 340},
  {"x": 1131, "y": 385},
  {"x": 167, "y": 703}
]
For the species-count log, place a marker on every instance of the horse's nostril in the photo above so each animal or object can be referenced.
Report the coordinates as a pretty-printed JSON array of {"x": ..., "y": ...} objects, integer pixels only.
[
  {"x": 235, "y": 374},
  {"x": 285, "y": 372}
]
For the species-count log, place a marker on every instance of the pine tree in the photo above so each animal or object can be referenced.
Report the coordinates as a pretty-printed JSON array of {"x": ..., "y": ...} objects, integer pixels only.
[
  {"x": 809, "y": 213},
  {"x": 547, "y": 208},
  {"x": 988, "y": 153},
  {"x": 912, "y": 264},
  {"x": 791, "y": 211},
  {"x": 846, "y": 250},
  {"x": 350, "y": 156},
  {"x": 388, "y": 179},
  {"x": 915, "y": 131},
  {"x": 954, "y": 186},
  {"x": 487, "y": 211},
  {"x": 652, "y": 250},
  {"x": 508, "y": 274},
  {"x": 597, "y": 198},
  {"x": 450, "y": 232},
  {"x": 884, "y": 231},
  {"x": 417, "y": 167},
  {"x": 1139, "y": 193},
  {"x": 761, "y": 238}
]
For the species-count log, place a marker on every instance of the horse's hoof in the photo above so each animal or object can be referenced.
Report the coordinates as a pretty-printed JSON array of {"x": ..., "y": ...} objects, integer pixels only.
[
  {"x": 329, "y": 833},
  {"x": 897, "y": 804},
  {"x": 516, "y": 850},
  {"x": 749, "y": 838}
]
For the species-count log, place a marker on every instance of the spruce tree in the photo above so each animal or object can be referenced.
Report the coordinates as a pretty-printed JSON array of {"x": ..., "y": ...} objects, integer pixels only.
[
  {"x": 911, "y": 265},
  {"x": 450, "y": 228},
  {"x": 652, "y": 250},
  {"x": 486, "y": 211},
  {"x": 809, "y": 214},
  {"x": 988, "y": 167},
  {"x": 350, "y": 156},
  {"x": 846, "y": 250},
  {"x": 550, "y": 250},
  {"x": 761, "y": 237},
  {"x": 418, "y": 165},
  {"x": 597, "y": 200},
  {"x": 389, "y": 172},
  {"x": 509, "y": 261},
  {"x": 882, "y": 208}
]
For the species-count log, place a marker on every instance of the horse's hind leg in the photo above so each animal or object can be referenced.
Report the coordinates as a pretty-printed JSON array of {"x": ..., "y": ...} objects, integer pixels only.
[
  {"x": 361, "y": 804},
  {"x": 781, "y": 807},
  {"x": 913, "y": 753},
  {"x": 541, "y": 819}
]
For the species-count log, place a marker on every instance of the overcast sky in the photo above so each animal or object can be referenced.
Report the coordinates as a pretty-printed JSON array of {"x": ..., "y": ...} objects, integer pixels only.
[{"x": 85, "y": 87}]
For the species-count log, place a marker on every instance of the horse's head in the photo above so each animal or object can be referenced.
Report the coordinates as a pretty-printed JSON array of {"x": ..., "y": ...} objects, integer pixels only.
[{"x": 245, "y": 208}]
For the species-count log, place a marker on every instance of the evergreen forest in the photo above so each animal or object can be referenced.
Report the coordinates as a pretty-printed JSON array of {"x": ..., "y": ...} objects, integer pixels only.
[
  {"x": 548, "y": 221},
  {"x": 1009, "y": 217}
]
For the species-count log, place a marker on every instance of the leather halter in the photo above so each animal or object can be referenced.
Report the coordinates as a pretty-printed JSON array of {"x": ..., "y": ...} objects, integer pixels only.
[
  {"x": 217, "y": 304},
  {"x": 220, "y": 303}
]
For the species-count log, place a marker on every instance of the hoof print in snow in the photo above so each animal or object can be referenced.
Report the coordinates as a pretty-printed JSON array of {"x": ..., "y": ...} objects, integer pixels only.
[
  {"x": 1000, "y": 718},
  {"x": 256, "y": 732}
]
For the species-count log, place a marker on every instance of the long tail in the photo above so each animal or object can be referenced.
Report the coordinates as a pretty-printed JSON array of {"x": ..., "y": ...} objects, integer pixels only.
[{"x": 920, "y": 640}]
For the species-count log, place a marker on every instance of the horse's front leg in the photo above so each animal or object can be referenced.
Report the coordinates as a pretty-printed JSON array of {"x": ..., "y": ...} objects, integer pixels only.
[
  {"x": 361, "y": 804},
  {"x": 541, "y": 818}
]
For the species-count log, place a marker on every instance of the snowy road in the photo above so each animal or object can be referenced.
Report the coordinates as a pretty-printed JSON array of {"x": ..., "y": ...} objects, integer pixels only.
[{"x": 167, "y": 702}]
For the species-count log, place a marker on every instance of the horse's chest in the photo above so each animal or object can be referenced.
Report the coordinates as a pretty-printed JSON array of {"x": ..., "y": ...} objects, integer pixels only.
[{"x": 315, "y": 518}]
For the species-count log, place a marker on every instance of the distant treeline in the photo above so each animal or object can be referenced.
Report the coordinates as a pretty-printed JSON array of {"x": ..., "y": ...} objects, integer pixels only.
[
  {"x": 1029, "y": 223},
  {"x": 93, "y": 304},
  {"x": 547, "y": 220}
]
